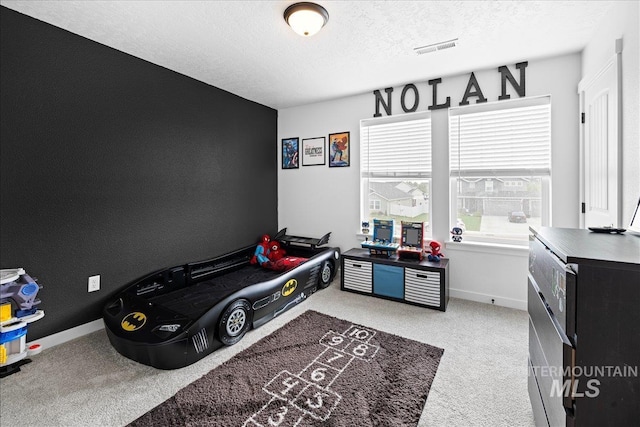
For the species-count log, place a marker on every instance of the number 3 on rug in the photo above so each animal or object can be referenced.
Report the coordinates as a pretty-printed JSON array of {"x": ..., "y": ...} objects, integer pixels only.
[{"x": 283, "y": 412}]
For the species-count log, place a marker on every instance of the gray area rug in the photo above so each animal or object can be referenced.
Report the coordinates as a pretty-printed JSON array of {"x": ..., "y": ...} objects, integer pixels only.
[{"x": 316, "y": 370}]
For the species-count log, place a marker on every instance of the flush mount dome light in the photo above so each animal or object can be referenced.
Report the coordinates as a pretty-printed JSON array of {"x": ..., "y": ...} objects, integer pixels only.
[{"x": 306, "y": 18}]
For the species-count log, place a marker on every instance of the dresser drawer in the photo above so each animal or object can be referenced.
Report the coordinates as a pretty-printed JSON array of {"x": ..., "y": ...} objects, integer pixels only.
[
  {"x": 422, "y": 287},
  {"x": 357, "y": 275},
  {"x": 551, "y": 356}
]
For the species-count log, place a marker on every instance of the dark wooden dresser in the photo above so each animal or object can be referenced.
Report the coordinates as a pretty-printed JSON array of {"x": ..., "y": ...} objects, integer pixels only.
[{"x": 584, "y": 327}]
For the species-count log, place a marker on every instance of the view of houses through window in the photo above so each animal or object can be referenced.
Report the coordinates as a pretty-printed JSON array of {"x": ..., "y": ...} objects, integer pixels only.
[
  {"x": 499, "y": 206},
  {"x": 500, "y": 165},
  {"x": 499, "y": 168},
  {"x": 399, "y": 200},
  {"x": 396, "y": 169}
]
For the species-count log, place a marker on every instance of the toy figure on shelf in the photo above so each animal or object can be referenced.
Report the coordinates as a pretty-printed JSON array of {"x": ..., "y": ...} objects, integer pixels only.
[
  {"x": 18, "y": 308},
  {"x": 456, "y": 234},
  {"x": 435, "y": 254},
  {"x": 365, "y": 227}
]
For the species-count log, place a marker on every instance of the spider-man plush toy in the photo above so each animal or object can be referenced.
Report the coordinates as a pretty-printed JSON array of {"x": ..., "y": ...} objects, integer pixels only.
[
  {"x": 262, "y": 250},
  {"x": 435, "y": 254}
]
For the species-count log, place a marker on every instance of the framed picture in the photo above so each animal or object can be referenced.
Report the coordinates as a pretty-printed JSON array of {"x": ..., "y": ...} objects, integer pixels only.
[
  {"x": 290, "y": 153},
  {"x": 313, "y": 151},
  {"x": 339, "y": 150}
]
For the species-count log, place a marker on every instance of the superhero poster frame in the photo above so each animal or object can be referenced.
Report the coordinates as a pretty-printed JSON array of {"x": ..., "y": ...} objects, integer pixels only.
[
  {"x": 313, "y": 151},
  {"x": 339, "y": 149},
  {"x": 290, "y": 153}
]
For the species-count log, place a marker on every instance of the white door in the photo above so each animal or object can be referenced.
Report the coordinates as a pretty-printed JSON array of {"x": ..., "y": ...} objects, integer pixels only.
[{"x": 601, "y": 147}]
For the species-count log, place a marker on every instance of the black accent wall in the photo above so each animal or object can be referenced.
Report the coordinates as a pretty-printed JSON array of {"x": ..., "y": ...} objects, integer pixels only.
[{"x": 114, "y": 166}]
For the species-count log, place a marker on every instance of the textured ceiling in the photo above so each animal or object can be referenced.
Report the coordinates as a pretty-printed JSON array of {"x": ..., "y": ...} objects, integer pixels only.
[{"x": 246, "y": 48}]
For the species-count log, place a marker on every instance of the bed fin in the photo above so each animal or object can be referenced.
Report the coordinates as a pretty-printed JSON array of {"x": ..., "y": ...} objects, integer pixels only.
[
  {"x": 280, "y": 234},
  {"x": 324, "y": 239}
]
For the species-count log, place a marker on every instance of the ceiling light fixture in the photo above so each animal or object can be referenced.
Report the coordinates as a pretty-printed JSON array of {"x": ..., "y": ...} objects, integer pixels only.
[{"x": 306, "y": 18}]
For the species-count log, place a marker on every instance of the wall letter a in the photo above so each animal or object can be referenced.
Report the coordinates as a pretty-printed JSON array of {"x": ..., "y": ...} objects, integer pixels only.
[
  {"x": 473, "y": 83},
  {"x": 385, "y": 105}
]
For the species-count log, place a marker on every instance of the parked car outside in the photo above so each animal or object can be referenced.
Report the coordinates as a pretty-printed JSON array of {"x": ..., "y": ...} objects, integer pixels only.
[{"x": 517, "y": 216}]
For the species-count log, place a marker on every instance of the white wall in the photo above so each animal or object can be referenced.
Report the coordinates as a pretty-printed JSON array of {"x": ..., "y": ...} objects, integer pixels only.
[
  {"x": 623, "y": 23},
  {"x": 315, "y": 199}
]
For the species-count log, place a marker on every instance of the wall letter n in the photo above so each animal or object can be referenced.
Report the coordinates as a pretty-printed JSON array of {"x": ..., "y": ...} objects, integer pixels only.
[
  {"x": 385, "y": 105},
  {"x": 505, "y": 75}
]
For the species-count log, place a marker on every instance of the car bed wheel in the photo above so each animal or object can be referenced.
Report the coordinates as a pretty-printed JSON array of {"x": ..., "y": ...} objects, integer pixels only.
[
  {"x": 235, "y": 322},
  {"x": 326, "y": 274}
]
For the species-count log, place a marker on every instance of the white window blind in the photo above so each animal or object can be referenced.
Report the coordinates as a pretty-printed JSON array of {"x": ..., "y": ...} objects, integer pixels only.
[
  {"x": 503, "y": 142},
  {"x": 396, "y": 149}
]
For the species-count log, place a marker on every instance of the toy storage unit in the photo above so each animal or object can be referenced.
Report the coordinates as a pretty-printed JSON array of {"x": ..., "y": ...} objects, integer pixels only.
[
  {"x": 18, "y": 308},
  {"x": 411, "y": 281}
]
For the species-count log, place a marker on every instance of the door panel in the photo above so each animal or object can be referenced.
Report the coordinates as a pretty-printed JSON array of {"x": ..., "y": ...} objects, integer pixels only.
[{"x": 601, "y": 161}]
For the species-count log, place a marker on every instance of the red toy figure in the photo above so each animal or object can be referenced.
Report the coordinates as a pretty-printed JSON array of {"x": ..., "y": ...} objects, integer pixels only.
[
  {"x": 435, "y": 254},
  {"x": 262, "y": 250},
  {"x": 278, "y": 259},
  {"x": 275, "y": 251},
  {"x": 286, "y": 263}
]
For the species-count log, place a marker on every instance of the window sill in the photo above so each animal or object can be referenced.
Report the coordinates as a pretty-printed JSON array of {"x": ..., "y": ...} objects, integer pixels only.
[
  {"x": 472, "y": 246},
  {"x": 492, "y": 248}
]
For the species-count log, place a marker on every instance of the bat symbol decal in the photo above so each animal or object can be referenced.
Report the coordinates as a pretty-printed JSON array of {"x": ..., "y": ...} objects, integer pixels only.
[
  {"x": 133, "y": 321},
  {"x": 289, "y": 287}
]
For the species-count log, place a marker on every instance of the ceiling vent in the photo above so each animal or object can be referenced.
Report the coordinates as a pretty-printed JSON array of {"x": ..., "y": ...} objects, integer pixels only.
[{"x": 436, "y": 46}]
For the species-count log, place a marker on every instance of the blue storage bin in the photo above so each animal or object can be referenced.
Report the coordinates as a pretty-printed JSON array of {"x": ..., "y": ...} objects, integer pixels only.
[{"x": 388, "y": 280}]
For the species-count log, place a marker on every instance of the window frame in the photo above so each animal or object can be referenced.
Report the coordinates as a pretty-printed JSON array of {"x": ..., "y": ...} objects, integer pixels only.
[
  {"x": 544, "y": 175},
  {"x": 366, "y": 178}
]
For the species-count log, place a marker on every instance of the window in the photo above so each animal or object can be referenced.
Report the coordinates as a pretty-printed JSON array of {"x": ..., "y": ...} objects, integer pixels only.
[
  {"x": 500, "y": 165},
  {"x": 395, "y": 168}
]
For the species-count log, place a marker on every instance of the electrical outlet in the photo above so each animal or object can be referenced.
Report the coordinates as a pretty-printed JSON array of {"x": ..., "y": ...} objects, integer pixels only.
[{"x": 94, "y": 283}]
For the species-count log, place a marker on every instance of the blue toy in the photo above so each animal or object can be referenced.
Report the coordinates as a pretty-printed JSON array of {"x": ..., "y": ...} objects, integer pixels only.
[
  {"x": 382, "y": 243},
  {"x": 18, "y": 308}
]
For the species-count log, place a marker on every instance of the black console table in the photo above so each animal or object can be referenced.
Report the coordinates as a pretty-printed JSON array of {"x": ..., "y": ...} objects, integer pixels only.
[
  {"x": 584, "y": 327},
  {"x": 411, "y": 281}
]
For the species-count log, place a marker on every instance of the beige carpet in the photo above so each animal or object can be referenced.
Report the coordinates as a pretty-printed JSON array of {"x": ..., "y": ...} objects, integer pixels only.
[{"x": 481, "y": 379}]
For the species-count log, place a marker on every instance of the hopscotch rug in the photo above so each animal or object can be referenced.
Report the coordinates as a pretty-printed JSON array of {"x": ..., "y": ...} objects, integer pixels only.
[{"x": 316, "y": 370}]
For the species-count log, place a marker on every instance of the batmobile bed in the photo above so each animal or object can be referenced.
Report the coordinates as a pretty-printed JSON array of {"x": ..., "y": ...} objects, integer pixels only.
[{"x": 174, "y": 317}]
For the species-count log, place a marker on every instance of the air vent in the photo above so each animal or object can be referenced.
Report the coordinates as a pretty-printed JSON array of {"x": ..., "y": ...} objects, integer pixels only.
[
  {"x": 200, "y": 341},
  {"x": 436, "y": 46}
]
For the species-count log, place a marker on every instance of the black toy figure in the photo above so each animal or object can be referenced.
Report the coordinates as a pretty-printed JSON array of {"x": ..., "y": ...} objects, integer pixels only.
[{"x": 456, "y": 234}]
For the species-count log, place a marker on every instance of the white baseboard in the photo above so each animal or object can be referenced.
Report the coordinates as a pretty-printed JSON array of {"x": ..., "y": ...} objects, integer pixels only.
[
  {"x": 69, "y": 334},
  {"x": 73, "y": 333},
  {"x": 487, "y": 299}
]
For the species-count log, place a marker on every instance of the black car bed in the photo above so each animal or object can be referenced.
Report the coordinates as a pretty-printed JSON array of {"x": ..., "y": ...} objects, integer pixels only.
[{"x": 176, "y": 316}]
